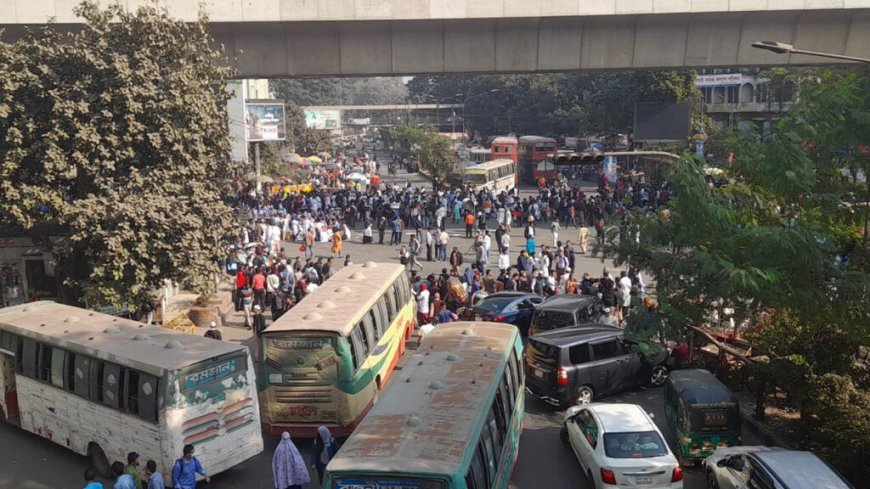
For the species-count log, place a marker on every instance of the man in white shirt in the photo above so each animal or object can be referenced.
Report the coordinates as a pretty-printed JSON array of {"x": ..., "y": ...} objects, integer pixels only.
[{"x": 422, "y": 304}]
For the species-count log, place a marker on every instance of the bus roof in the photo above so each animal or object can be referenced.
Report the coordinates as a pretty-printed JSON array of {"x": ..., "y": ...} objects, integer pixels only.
[
  {"x": 488, "y": 165},
  {"x": 340, "y": 303},
  {"x": 536, "y": 139},
  {"x": 504, "y": 140},
  {"x": 152, "y": 349},
  {"x": 424, "y": 420}
]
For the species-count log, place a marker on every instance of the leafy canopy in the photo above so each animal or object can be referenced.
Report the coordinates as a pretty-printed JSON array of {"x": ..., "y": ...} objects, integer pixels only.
[{"x": 114, "y": 138}]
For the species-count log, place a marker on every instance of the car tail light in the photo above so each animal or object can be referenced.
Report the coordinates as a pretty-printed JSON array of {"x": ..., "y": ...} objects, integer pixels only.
[
  {"x": 608, "y": 477},
  {"x": 561, "y": 376},
  {"x": 677, "y": 474},
  {"x": 499, "y": 319}
]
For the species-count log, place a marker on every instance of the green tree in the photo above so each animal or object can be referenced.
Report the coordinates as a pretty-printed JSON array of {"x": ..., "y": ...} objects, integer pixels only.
[
  {"x": 768, "y": 241},
  {"x": 115, "y": 138}
]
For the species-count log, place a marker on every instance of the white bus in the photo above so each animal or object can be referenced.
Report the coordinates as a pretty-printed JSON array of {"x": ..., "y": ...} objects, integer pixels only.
[
  {"x": 104, "y": 386},
  {"x": 496, "y": 175}
]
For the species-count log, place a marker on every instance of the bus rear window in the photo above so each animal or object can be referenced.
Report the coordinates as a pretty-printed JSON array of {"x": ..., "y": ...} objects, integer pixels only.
[
  {"x": 363, "y": 482},
  {"x": 298, "y": 359},
  {"x": 546, "y": 320}
]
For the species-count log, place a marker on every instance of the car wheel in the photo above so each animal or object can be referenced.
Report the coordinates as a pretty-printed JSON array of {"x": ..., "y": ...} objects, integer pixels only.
[
  {"x": 563, "y": 436},
  {"x": 659, "y": 376},
  {"x": 712, "y": 482},
  {"x": 584, "y": 395}
]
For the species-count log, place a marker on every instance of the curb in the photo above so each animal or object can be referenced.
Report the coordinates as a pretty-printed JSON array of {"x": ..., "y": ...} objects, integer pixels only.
[{"x": 763, "y": 431}]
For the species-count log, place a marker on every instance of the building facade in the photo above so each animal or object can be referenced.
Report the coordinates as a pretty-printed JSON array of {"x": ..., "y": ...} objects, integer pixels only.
[{"x": 740, "y": 97}]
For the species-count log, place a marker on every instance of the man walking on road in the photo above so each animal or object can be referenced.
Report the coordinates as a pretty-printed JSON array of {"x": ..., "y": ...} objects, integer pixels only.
[{"x": 185, "y": 470}]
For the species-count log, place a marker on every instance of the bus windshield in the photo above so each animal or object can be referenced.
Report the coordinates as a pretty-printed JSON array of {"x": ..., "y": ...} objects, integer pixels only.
[
  {"x": 301, "y": 359},
  {"x": 475, "y": 178},
  {"x": 387, "y": 482}
]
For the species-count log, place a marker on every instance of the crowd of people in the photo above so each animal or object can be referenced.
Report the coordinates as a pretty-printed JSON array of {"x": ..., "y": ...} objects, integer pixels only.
[{"x": 289, "y": 470}]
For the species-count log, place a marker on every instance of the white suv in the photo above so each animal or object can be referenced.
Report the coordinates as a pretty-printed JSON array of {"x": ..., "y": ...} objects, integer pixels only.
[{"x": 619, "y": 445}]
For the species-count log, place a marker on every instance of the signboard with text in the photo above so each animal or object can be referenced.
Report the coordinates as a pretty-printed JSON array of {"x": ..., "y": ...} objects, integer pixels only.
[
  {"x": 323, "y": 119},
  {"x": 726, "y": 79},
  {"x": 264, "y": 121}
]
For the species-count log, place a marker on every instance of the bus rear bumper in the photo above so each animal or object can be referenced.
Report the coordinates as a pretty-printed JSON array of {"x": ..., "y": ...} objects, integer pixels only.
[
  {"x": 309, "y": 430},
  {"x": 234, "y": 457}
]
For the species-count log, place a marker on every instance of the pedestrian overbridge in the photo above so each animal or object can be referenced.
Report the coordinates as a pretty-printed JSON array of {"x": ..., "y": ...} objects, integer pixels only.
[{"x": 281, "y": 38}]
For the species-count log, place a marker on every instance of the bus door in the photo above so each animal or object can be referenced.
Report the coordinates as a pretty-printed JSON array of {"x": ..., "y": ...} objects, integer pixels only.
[{"x": 7, "y": 386}]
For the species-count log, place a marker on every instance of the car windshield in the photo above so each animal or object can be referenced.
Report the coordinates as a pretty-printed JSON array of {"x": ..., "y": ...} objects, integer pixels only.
[
  {"x": 493, "y": 304},
  {"x": 547, "y": 320},
  {"x": 640, "y": 444}
]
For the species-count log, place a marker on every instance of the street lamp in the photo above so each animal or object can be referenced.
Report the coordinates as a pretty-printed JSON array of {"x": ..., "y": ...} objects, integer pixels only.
[{"x": 784, "y": 48}]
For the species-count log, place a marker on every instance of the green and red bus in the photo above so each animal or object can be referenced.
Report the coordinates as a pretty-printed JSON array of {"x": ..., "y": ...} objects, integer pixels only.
[{"x": 325, "y": 361}]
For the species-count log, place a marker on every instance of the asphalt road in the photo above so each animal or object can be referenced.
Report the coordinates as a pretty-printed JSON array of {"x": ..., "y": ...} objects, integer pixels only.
[{"x": 30, "y": 462}]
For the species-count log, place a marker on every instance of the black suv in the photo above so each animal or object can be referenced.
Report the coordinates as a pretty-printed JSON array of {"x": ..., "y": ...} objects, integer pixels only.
[
  {"x": 572, "y": 365},
  {"x": 562, "y": 311}
]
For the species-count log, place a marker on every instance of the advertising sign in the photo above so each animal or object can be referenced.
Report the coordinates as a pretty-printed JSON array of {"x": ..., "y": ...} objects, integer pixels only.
[
  {"x": 212, "y": 373},
  {"x": 323, "y": 119},
  {"x": 610, "y": 168},
  {"x": 727, "y": 79},
  {"x": 264, "y": 121}
]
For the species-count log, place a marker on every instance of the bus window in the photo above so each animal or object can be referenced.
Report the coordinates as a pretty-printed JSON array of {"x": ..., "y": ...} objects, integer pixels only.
[
  {"x": 371, "y": 331},
  {"x": 70, "y": 371},
  {"x": 476, "y": 477},
  {"x": 147, "y": 396},
  {"x": 391, "y": 301},
  {"x": 81, "y": 376},
  {"x": 489, "y": 451},
  {"x": 27, "y": 358},
  {"x": 8, "y": 342},
  {"x": 57, "y": 363},
  {"x": 512, "y": 389},
  {"x": 359, "y": 345},
  {"x": 132, "y": 397},
  {"x": 111, "y": 373},
  {"x": 44, "y": 356},
  {"x": 496, "y": 433},
  {"x": 382, "y": 319}
]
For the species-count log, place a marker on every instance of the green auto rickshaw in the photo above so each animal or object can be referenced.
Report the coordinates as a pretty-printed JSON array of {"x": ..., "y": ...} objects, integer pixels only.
[{"x": 701, "y": 413}]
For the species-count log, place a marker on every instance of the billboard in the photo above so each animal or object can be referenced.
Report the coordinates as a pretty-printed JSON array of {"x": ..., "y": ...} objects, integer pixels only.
[
  {"x": 264, "y": 120},
  {"x": 723, "y": 80},
  {"x": 323, "y": 119},
  {"x": 662, "y": 121}
]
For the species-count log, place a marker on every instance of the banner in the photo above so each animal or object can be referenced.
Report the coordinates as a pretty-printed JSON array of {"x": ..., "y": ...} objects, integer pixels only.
[
  {"x": 323, "y": 119},
  {"x": 264, "y": 121},
  {"x": 610, "y": 169}
]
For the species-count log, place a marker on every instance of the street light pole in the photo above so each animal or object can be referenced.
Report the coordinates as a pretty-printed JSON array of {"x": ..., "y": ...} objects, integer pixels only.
[{"x": 785, "y": 48}]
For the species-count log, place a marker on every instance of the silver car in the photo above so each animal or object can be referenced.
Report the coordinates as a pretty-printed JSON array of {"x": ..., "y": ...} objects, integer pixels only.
[{"x": 762, "y": 467}]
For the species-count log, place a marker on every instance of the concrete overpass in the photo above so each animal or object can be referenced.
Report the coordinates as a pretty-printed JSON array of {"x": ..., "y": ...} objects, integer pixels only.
[{"x": 280, "y": 38}]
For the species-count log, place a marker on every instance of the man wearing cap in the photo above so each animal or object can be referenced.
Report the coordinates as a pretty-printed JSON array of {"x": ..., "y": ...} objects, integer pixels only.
[
  {"x": 213, "y": 332},
  {"x": 259, "y": 320},
  {"x": 608, "y": 318}
]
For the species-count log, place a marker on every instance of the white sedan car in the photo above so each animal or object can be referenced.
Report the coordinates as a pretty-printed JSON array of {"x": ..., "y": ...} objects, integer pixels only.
[{"x": 618, "y": 445}]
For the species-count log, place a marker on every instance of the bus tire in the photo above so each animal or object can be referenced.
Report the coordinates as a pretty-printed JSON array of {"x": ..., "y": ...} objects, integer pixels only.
[{"x": 99, "y": 460}]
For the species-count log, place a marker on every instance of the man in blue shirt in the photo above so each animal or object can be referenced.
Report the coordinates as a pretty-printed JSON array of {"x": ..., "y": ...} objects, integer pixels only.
[
  {"x": 122, "y": 479},
  {"x": 185, "y": 470},
  {"x": 154, "y": 478},
  {"x": 90, "y": 475}
]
